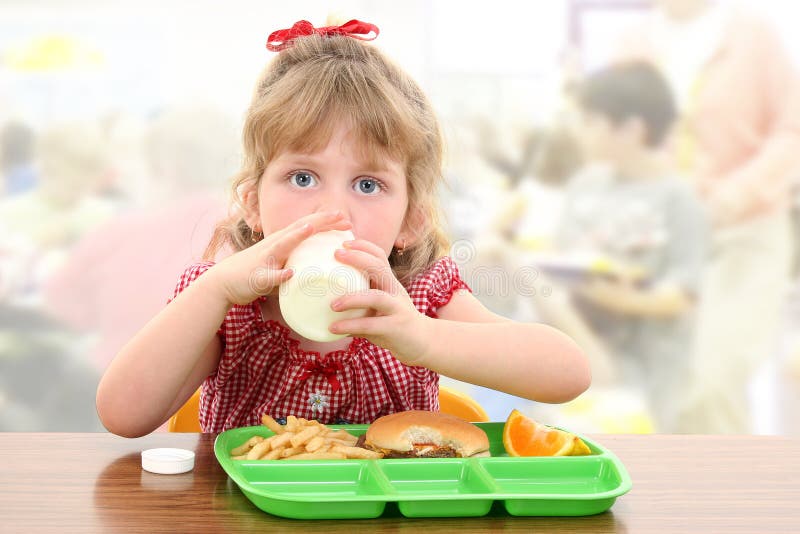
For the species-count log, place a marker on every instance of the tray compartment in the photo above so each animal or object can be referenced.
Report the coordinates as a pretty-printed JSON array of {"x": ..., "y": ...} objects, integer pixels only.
[
  {"x": 439, "y": 487},
  {"x": 316, "y": 489},
  {"x": 336, "y": 489},
  {"x": 555, "y": 486}
]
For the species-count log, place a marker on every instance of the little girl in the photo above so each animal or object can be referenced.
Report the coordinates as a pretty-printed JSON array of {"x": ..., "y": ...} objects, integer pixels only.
[{"x": 336, "y": 137}]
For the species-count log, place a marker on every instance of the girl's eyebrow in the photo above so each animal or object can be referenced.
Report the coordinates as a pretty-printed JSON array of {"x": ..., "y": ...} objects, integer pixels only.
[
  {"x": 300, "y": 159},
  {"x": 312, "y": 161}
]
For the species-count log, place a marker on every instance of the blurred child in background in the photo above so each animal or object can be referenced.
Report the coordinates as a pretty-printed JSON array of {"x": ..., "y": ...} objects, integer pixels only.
[
  {"x": 531, "y": 219},
  {"x": 627, "y": 207},
  {"x": 115, "y": 279},
  {"x": 17, "y": 166},
  {"x": 526, "y": 218},
  {"x": 40, "y": 225},
  {"x": 45, "y": 381}
]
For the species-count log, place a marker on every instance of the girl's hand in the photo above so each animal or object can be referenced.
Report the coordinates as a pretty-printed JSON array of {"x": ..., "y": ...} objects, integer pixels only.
[
  {"x": 258, "y": 270},
  {"x": 393, "y": 322}
]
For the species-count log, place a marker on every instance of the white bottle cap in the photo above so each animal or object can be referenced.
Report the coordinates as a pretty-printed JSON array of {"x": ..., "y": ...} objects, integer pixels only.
[{"x": 167, "y": 461}]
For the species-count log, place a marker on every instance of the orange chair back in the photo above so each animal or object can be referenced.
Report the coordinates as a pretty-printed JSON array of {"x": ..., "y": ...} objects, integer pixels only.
[{"x": 186, "y": 419}]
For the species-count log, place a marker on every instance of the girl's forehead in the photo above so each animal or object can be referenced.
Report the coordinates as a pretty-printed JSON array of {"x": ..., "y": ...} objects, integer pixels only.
[{"x": 343, "y": 141}]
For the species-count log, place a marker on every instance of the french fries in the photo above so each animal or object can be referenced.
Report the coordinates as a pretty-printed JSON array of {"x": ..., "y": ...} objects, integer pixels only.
[
  {"x": 355, "y": 452},
  {"x": 300, "y": 439},
  {"x": 305, "y": 435},
  {"x": 246, "y": 447},
  {"x": 272, "y": 424}
]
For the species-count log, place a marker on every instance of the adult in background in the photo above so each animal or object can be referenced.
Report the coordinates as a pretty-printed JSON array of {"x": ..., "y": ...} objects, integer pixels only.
[{"x": 739, "y": 141}]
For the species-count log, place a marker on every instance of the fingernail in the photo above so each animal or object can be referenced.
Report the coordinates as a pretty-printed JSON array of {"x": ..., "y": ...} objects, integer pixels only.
[
  {"x": 347, "y": 244},
  {"x": 340, "y": 252},
  {"x": 335, "y": 305}
]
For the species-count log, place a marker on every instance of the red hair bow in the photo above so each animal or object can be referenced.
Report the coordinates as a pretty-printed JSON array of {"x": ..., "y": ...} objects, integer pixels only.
[{"x": 280, "y": 39}]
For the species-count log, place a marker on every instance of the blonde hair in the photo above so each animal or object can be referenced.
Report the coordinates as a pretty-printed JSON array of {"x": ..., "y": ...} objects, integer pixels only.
[{"x": 318, "y": 82}]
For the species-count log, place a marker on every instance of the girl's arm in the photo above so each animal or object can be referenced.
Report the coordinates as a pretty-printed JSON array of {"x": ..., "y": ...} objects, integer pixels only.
[
  {"x": 165, "y": 362},
  {"x": 469, "y": 343},
  {"x": 154, "y": 374}
]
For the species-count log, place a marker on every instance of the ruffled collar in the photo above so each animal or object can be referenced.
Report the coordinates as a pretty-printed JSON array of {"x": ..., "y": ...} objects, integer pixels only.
[{"x": 286, "y": 337}]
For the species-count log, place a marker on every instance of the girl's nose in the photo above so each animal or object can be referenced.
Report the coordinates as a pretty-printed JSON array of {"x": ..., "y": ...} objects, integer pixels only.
[
  {"x": 334, "y": 202},
  {"x": 329, "y": 208}
]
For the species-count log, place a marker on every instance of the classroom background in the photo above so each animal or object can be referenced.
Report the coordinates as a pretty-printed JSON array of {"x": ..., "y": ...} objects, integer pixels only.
[{"x": 119, "y": 131}]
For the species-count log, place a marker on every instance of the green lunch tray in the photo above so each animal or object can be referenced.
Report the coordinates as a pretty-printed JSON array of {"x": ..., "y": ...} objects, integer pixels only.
[{"x": 426, "y": 487}]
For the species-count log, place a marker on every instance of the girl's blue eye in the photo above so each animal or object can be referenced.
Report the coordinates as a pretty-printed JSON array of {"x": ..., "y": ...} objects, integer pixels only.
[
  {"x": 369, "y": 186},
  {"x": 303, "y": 179}
]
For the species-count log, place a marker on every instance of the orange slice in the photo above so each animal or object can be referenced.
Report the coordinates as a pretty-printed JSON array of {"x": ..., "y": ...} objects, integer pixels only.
[{"x": 523, "y": 436}]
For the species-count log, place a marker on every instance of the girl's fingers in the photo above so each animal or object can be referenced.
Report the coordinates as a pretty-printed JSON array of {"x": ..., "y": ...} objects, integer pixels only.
[
  {"x": 363, "y": 326},
  {"x": 278, "y": 251},
  {"x": 365, "y": 246},
  {"x": 318, "y": 220},
  {"x": 343, "y": 224},
  {"x": 281, "y": 243},
  {"x": 375, "y": 299},
  {"x": 263, "y": 279},
  {"x": 324, "y": 220},
  {"x": 376, "y": 269},
  {"x": 325, "y": 225}
]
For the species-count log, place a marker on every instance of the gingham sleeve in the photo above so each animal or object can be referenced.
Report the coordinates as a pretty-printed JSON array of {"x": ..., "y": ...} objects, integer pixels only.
[
  {"x": 191, "y": 274},
  {"x": 435, "y": 287}
]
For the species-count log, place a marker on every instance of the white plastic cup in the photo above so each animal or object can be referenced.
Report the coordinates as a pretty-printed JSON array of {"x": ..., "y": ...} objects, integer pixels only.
[{"x": 318, "y": 279}]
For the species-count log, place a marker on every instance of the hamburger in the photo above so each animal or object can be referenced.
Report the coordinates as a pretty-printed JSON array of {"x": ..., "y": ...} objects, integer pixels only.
[{"x": 424, "y": 434}]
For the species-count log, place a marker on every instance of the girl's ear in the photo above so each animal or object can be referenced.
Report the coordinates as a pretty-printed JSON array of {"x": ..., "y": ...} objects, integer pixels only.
[
  {"x": 251, "y": 216},
  {"x": 413, "y": 227}
]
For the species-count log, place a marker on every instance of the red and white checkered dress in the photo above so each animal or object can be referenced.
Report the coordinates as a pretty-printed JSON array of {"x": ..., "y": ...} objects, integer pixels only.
[{"x": 262, "y": 369}]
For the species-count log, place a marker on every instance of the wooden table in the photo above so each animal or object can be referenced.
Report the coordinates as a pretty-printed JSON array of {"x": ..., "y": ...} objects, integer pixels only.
[{"x": 94, "y": 483}]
